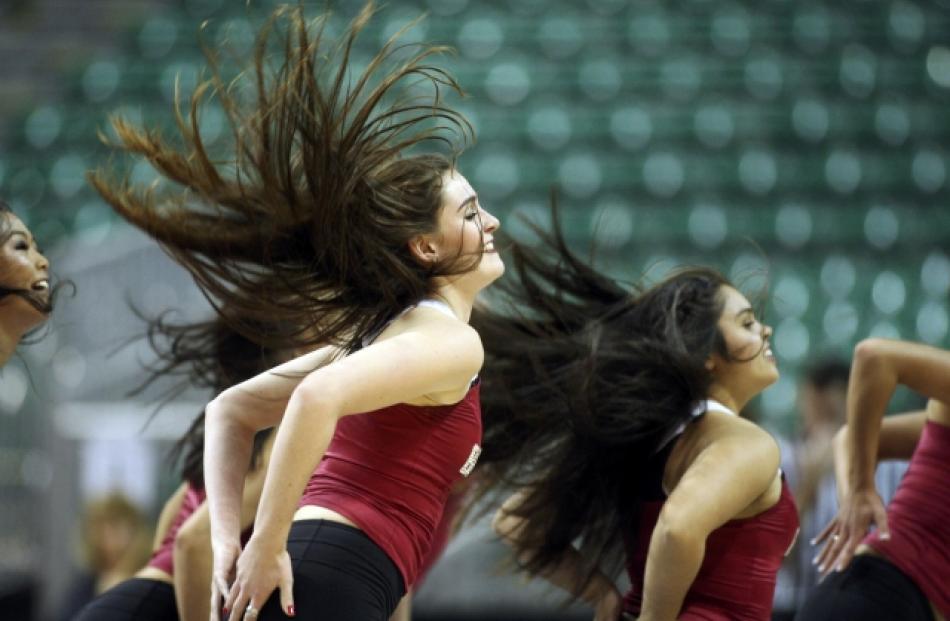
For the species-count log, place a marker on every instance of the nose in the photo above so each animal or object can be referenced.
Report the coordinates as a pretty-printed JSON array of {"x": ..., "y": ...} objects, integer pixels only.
[
  {"x": 42, "y": 263},
  {"x": 489, "y": 222},
  {"x": 766, "y": 331}
]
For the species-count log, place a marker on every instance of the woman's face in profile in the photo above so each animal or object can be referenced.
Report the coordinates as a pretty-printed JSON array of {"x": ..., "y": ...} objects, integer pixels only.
[{"x": 22, "y": 268}]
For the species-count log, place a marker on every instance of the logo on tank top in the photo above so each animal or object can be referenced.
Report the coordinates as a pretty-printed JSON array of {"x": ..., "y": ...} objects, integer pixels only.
[{"x": 469, "y": 464}]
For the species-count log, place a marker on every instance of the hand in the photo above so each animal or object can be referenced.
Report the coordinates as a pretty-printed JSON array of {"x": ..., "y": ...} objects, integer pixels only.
[
  {"x": 609, "y": 606},
  {"x": 225, "y": 555},
  {"x": 260, "y": 569},
  {"x": 844, "y": 533}
]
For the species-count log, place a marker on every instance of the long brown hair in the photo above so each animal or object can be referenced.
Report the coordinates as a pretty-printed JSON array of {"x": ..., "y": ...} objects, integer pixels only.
[
  {"x": 305, "y": 226},
  {"x": 584, "y": 380}
]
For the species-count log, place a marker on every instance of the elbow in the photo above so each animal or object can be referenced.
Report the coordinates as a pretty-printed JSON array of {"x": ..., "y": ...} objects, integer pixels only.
[
  {"x": 190, "y": 540},
  {"x": 869, "y": 350},
  {"x": 315, "y": 394},
  {"x": 676, "y": 532}
]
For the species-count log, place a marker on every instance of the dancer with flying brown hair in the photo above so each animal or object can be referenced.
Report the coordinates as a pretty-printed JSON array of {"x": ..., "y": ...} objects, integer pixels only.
[{"x": 322, "y": 222}]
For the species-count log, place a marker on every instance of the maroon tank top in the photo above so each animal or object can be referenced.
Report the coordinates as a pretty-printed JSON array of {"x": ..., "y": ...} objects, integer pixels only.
[
  {"x": 162, "y": 557},
  {"x": 918, "y": 516},
  {"x": 736, "y": 580},
  {"x": 390, "y": 472}
]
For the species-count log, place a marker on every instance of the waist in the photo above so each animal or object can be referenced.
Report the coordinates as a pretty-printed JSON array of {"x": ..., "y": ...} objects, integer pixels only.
[
  {"x": 315, "y": 512},
  {"x": 150, "y": 572}
]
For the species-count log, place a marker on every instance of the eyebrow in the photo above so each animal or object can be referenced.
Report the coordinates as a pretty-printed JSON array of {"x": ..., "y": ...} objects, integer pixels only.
[
  {"x": 468, "y": 200},
  {"x": 22, "y": 234},
  {"x": 745, "y": 310}
]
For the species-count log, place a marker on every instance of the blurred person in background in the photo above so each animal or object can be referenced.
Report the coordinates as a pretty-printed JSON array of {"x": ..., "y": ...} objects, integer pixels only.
[
  {"x": 808, "y": 464},
  {"x": 115, "y": 540},
  {"x": 320, "y": 219},
  {"x": 25, "y": 293},
  {"x": 901, "y": 570}
]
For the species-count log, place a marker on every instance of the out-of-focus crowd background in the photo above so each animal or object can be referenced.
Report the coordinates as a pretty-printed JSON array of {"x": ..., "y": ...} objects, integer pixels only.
[{"x": 798, "y": 144}]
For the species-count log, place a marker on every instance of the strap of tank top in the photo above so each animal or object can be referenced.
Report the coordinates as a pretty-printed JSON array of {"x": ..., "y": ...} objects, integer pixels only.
[
  {"x": 711, "y": 405},
  {"x": 708, "y": 405},
  {"x": 438, "y": 305}
]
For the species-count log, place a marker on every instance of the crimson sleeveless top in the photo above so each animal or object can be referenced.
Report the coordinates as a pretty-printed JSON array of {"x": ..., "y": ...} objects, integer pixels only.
[
  {"x": 918, "y": 516},
  {"x": 736, "y": 580},
  {"x": 162, "y": 557},
  {"x": 390, "y": 472}
]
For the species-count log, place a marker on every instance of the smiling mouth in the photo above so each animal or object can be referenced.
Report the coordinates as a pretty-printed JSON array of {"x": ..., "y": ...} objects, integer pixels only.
[
  {"x": 41, "y": 285},
  {"x": 489, "y": 246}
]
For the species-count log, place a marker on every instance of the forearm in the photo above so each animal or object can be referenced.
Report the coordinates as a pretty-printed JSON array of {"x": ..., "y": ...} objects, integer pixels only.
[
  {"x": 872, "y": 383},
  {"x": 193, "y": 578},
  {"x": 842, "y": 459},
  {"x": 301, "y": 441},
  {"x": 228, "y": 446},
  {"x": 675, "y": 557}
]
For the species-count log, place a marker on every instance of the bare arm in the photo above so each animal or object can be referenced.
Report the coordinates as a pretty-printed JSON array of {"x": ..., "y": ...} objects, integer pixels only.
[
  {"x": 192, "y": 552},
  {"x": 601, "y": 593},
  {"x": 736, "y": 467},
  {"x": 879, "y": 366},
  {"x": 435, "y": 357},
  {"x": 898, "y": 439}
]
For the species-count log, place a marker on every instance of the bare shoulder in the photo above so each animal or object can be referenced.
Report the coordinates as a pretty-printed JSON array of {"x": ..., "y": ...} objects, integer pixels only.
[
  {"x": 723, "y": 439},
  {"x": 431, "y": 324}
]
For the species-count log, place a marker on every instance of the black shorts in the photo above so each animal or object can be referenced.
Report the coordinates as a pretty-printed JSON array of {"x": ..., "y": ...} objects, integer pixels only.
[
  {"x": 137, "y": 598},
  {"x": 870, "y": 589},
  {"x": 340, "y": 574}
]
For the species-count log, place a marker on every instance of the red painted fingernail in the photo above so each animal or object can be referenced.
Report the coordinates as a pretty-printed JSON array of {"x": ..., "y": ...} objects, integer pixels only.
[
  {"x": 291, "y": 611},
  {"x": 225, "y": 611}
]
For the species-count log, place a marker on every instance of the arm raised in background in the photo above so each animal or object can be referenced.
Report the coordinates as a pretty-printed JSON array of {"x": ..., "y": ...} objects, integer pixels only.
[
  {"x": 435, "y": 357},
  {"x": 736, "y": 466},
  {"x": 879, "y": 366}
]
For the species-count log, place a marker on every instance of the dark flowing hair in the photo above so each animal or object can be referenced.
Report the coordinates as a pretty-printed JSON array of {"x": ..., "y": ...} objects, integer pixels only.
[
  {"x": 38, "y": 302},
  {"x": 584, "y": 381},
  {"x": 306, "y": 227},
  {"x": 205, "y": 354}
]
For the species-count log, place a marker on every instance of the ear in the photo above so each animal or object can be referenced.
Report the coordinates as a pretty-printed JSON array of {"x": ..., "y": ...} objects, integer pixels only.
[
  {"x": 710, "y": 364},
  {"x": 424, "y": 249}
]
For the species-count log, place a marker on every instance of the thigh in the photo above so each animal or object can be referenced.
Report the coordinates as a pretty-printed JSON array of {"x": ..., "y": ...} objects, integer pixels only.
[
  {"x": 138, "y": 598},
  {"x": 870, "y": 589},
  {"x": 339, "y": 575}
]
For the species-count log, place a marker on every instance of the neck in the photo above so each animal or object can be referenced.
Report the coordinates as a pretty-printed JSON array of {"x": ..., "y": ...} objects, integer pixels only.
[
  {"x": 460, "y": 301},
  {"x": 8, "y": 342},
  {"x": 726, "y": 398}
]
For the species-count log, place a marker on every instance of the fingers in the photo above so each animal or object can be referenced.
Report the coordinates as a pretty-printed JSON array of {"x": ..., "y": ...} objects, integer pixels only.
[
  {"x": 880, "y": 518},
  {"x": 286, "y": 586},
  {"x": 825, "y": 533},
  {"x": 215, "y": 601},
  {"x": 828, "y": 552},
  {"x": 235, "y": 603}
]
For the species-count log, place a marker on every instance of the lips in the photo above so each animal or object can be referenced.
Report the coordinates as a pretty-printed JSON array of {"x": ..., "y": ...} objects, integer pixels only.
[
  {"x": 490, "y": 246},
  {"x": 41, "y": 285}
]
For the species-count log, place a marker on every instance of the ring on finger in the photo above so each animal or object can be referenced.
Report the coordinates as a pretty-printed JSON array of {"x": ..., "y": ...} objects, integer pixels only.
[{"x": 251, "y": 612}]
